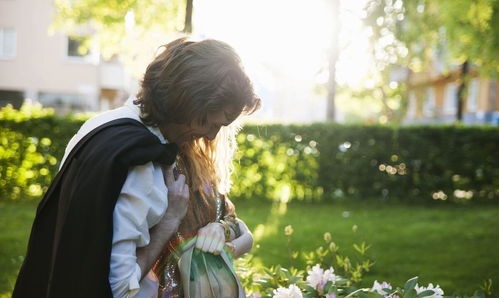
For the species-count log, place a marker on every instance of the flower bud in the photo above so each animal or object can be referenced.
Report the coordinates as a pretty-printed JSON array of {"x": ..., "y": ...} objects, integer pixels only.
[
  {"x": 288, "y": 230},
  {"x": 327, "y": 237}
]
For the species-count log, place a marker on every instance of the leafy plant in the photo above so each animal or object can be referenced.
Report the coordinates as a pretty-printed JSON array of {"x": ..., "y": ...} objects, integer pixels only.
[{"x": 318, "y": 162}]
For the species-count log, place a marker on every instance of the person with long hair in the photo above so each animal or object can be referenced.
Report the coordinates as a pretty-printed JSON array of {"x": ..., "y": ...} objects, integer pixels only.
[{"x": 139, "y": 182}]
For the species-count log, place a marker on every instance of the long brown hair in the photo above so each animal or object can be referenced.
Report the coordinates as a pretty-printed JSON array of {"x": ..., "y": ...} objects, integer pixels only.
[{"x": 184, "y": 83}]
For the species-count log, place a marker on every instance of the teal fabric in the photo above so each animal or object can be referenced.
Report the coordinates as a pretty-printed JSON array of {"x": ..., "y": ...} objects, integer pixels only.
[{"x": 207, "y": 275}]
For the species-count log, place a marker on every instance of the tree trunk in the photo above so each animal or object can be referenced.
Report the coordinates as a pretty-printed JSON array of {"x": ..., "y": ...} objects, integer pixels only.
[
  {"x": 331, "y": 94},
  {"x": 188, "y": 17},
  {"x": 461, "y": 91}
]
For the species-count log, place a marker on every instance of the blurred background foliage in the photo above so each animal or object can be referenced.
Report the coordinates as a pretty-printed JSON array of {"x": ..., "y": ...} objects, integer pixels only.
[
  {"x": 414, "y": 32},
  {"x": 318, "y": 162},
  {"x": 405, "y": 38},
  {"x": 410, "y": 37},
  {"x": 124, "y": 29}
]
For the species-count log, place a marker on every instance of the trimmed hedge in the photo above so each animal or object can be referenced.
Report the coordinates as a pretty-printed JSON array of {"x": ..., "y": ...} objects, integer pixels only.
[
  {"x": 32, "y": 141},
  {"x": 328, "y": 161},
  {"x": 304, "y": 162}
]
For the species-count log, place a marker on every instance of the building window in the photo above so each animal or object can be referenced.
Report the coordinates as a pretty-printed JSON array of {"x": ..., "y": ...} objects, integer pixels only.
[
  {"x": 429, "y": 106},
  {"x": 413, "y": 105},
  {"x": 450, "y": 100},
  {"x": 62, "y": 103},
  {"x": 77, "y": 47},
  {"x": 473, "y": 90},
  {"x": 12, "y": 97},
  {"x": 7, "y": 42}
]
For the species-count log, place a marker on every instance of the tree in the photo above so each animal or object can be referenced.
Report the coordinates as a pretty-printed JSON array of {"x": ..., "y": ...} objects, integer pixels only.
[
  {"x": 413, "y": 32},
  {"x": 333, "y": 58},
  {"x": 131, "y": 29},
  {"x": 188, "y": 17}
]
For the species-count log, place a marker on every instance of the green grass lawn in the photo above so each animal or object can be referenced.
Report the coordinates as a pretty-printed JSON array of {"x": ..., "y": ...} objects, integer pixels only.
[
  {"x": 456, "y": 247},
  {"x": 15, "y": 225}
]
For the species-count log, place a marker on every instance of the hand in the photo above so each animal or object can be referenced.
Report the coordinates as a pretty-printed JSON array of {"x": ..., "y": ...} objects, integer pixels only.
[
  {"x": 211, "y": 238},
  {"x": 243, "y": 227},
  {"x": 178, "y": 195},
  {"x": 243, "y": 243},
  {"x": 178, "y": 199}
]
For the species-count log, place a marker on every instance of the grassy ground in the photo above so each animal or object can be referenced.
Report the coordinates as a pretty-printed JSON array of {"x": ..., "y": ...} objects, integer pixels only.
[
  {"x": 15, "y": 225},
  {"x": 456, "y": 247}
]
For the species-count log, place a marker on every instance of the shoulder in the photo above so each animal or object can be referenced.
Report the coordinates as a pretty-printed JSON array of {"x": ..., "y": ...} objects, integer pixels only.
[
  {"x": 96, "y": 123},
  {"x": 105, "y": 117},
  {"x": 125, "y": 139}
]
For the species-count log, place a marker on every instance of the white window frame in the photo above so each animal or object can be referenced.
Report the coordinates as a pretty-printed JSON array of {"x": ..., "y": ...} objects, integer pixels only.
[
  {"x": 413, "y": 105},
  {"x": 429, "y": 105},
  {"x": 450, "y": 104},
  {"x": 473, "y": 95},
  {"x": 92, "y": 57},
  {"x": 3, "y": 55}
]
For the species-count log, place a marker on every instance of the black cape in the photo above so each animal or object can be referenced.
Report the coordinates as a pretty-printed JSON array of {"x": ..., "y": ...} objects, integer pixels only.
[{"x": 70, "y": 244}]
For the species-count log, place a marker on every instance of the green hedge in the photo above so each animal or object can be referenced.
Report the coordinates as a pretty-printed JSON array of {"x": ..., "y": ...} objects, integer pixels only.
[
  {"x": 302, "y": 162},
  {"x": 32, "y": 141},
  {"x": 328, "y": 161}
]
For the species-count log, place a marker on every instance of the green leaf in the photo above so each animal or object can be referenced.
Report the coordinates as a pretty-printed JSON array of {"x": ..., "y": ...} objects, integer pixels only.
[
  {"x": 349, "y": 290},
  {"x": 362, "y": 248},
  {"x": 309, "y": 288},
  {"x": 376, "y": 295},
  {"x": 309, "y": 295},
  {"x": 387, "y": 290},
  {"x": 426, "y": 293},
  {"x": 410, "y": 284},
  {"x": 359, "y": 292},
  {"x": 410, "y": 294},
  {"x": 333, "y": 290},
  {"x": 327, "y": 286}
]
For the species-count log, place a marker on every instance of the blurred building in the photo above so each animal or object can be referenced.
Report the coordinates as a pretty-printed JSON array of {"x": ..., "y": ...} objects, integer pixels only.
[
  {"x": 433, "y": 97},
  {"x": 51, "y": 69}
]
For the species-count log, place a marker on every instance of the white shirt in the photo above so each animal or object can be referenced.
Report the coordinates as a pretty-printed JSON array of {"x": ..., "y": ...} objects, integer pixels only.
[{"x": 140, "y": 205}]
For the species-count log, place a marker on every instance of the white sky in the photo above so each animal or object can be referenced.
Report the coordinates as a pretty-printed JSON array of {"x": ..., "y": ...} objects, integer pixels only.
[{"x": 284, "y": 44}]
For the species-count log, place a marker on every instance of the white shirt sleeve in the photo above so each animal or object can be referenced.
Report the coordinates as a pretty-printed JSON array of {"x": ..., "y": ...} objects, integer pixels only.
[{"x": 141, "y": 204}]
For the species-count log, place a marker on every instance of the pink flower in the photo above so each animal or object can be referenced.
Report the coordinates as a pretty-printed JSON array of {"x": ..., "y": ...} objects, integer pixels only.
[
  {"x": 437, "y": 291},
  {"x": 291, "y": 292},
  {"x": 378, "y": 287},
  {"x": 318, "y": 277},
  {"x": 320, "y": 286}
]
